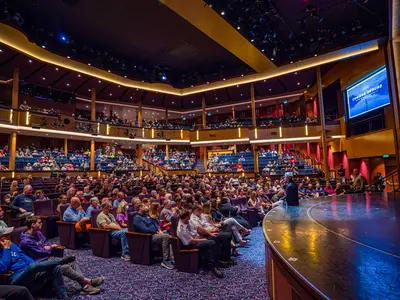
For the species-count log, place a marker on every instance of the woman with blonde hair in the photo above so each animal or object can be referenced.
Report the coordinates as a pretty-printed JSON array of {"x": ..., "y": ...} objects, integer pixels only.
[{"x": 122, "y": 214}]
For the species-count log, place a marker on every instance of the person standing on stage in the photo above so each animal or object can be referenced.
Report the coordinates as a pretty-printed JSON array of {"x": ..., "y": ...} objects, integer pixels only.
[{"x": 292, "y": 193}]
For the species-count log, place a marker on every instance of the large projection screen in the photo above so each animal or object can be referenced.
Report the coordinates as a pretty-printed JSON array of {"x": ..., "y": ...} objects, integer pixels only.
[{"x": 370, "y": 93}]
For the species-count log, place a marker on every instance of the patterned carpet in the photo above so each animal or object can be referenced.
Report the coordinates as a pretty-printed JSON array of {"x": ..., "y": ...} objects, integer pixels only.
[{"x": 124, "y": 280}]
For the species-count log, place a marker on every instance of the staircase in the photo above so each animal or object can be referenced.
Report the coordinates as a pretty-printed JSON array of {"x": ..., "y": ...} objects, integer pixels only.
[{"x": 200, "y": 165}]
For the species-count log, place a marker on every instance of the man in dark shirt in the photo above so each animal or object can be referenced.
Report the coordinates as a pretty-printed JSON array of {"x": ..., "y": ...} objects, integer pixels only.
[
  {"x": 292, "y": 193},
  {"x": 342, "y": 174},
  {"x": 23, "y": 203},
  {"x": 144, "y": 224}
]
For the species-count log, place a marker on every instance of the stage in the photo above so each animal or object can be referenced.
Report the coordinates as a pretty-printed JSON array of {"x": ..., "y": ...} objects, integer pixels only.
[{"x": 340, "y": 247}]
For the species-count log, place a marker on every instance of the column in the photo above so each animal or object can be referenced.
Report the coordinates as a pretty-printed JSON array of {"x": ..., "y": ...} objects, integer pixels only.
[
  {"x": 203, "y": 111},
  {"x": 139, "y": 154},
  {"x": 233, "y": 113},
  {"x": 322, "y": 117},
  {"x": 140, "y": 113},
  {"x": 255, "y": 153},
  {"x": 308, "y": 149},
  {"x": 280, "y": 148},
  {"x": 13, "y": 150},
  {"x": 166, "y": 152},
  {"x": 234, "y": 149},
  {"x": 15, "y": 88},
  {"x": 93, "y": 112},
  {"x": 66, "y": 147},
  {"x": 205, "y": 158},
  {"x": 253, "y": 105},
  {"x": 92, "y": 155}
]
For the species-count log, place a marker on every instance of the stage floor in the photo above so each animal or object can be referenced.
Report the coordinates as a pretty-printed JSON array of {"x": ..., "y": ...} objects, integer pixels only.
[{"x": 346, "y": 247}]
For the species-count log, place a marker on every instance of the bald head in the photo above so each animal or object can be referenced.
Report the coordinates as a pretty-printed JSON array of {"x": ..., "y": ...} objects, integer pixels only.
[{"x": 75, "y": 202}]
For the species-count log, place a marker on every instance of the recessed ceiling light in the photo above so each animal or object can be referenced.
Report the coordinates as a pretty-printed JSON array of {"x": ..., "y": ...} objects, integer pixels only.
[
  {"x": 208, "y": 82},
  {"x": 56, "y": 69},
  {"x": 89, "y": 90},
  {"x": 44, "y": 47},
  {"x": 237, "y": 85},
  {"x": 265, "y": 80},
  {"x": 291, "y": 62},
  {"x": 68, "y": 57},
  {"x": 109, "y": 71},
  {"x": 295, "y": 73},
  {"x": 152, "y": 100},
  {"x": 252, "y": 40},
  {"x": 125, "y": 76},
  {"x": 192, "y": 85},
  {"x": 87, "y": 106},
  {"x": 272, "y": 58},
  {"x": 238, "y": 28},
  {"x": 89, "y": 64},
  {"x": 30, "y": 61},
  {"x": 79, "y": 75},
  {"x": 298, "y": 83},
  {"x": 315, "y": 54},
  {"x": 224, "y": 79},
  {"x": 110, "y": 94},
  {"x": 44, "y": 78},
  {"x": 1, "y": 50},
  {"x": 241, "y": 94},
  {"x": 242, "y": 75},
  {"x": 173, "y": 102},
  {"x": 217, "y": 110},
  {"x": 263, "y": 50},
  {"x": 192, "y": 101},
  {"x": 222, "y": 13},
  {"x": 270, "y": 90},
  {"x": 260, "y": 104},
  {"x": 248, "y": 106},
  {"x": 67, "y": 84},
  {"x": 99, "y": 81},
  {"x": 119, "y": 86}
]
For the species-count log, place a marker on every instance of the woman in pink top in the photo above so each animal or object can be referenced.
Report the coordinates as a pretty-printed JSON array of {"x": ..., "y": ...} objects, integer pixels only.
[
  {"x": 122, "y": 214},
  {"x": 328, "y": 189}
]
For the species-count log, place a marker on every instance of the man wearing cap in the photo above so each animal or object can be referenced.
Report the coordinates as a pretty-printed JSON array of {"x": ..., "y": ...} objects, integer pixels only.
[
  {"x": 2, "y": 223},
  {"x": 36, "y": 277}
]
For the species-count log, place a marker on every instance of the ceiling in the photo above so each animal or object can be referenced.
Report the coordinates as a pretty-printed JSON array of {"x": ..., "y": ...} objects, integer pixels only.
[
  {"x": 291, "y": 30},
  {"x": 47, "y": 81},
  {"x": 141, "y": 39}
]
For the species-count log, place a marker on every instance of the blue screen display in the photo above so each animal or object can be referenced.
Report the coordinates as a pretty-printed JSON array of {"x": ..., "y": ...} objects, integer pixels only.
[{"x": 368, "y": 94}]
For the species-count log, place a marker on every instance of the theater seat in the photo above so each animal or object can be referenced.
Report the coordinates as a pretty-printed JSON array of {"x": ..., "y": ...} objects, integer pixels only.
[
  {"x": 44, "y": 210},
  {"x": 66, "y": 230},
  {"x": 100, "y": 239},
  {"x": 185, "y": 260}
]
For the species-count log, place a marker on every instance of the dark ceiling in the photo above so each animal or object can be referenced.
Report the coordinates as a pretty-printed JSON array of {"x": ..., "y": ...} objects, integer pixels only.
[
  {"x": 47, "y": 81},
  {"x": 290, "y": 30},
  {"x": 143, "y": 40}
]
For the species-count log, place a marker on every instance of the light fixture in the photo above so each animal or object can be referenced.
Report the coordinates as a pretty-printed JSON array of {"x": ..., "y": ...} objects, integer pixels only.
[
  {"x": 89, "y": 90},
  {"x": 79, "y": 75},
  {"x": 238, "y": 28},
  {"x": 44, "y": 47},
  {"x": 110, "y": 94},
  {"x": 89, "y": 64},
  {"x": 1, "y": 50},
  {"x": 272, "y": 58},
  {"x": 222, "y": 13},
  {"x": 56, "y": 69},
  {"x": 99, "y": 81},
  {"x": 263, "y": 50},
  {"x": 44, "y": 78},
  {"x": 298, "y": 83},
  {"x": 30, "y": 61},
  {"x": 109, "y": 71},
  {"x": 67, "y": 84}
]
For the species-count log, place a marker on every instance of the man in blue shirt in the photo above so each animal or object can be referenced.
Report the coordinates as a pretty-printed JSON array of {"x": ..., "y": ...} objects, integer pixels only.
[
  {"x": 36, "y": 277},
  {"x": 75, "y": 213},
  {"x": 94, "y": 204},
  {"x": 145, "y": 224},
  {"x": 23, "y": 203}
]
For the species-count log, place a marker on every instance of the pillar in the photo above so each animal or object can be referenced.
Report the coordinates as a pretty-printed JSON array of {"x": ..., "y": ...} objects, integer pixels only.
[
  {"x": 322, "y": 117},
  {"x": 139, "y": 154},
  {"x": 140, "y": 113},
  {"x": 308, "y": 149},
  {"x": 15, "y": 88},
  {"x": 205, "y": 158},
  {"x": 318, "y": 152},
  {"x": 280, "y": 148},
  {"x": 203, "y": 111},
  {"x": 13, "y": 150},
  {"x": 253, "y": 105},
  {"x": 66, "y": 147},
  {"x": 234, "y": 149},
  {"x": 233, "y": 113},
  {"x": 93, "y": 112},
  {"x": 166, "y": 152},
  {"x": 255, "y": 153},
  {"x": 92, "y": 154}
]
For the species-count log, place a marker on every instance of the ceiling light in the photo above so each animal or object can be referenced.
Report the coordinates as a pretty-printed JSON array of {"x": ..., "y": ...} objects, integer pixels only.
[
  {"x": 265, "y": 80},
  {"x": 192, "y": 101},
  {"x": 125, "y": 76},
  {"x": 119, "y": 86},
  {"x": 252, "y": 40},
  {"x": 68, "y": 57},
  {"x": 208, "y": 82},
  {"x": 298, "y": 83},
  {"x": 270, "y": 90},
  {"x": 99, "y": 81},
  {"x": 263, "y": 50},
  {"x": 192, "y": 85},
  {"x": 238, "y": 28},
  {"x": 1, "y": 50},
  {"x": 109, "y": 71},
  {"x": 110, "y": 94},
  {"x": 56, "y": 69},
  {"x": 242, "y": 75},
  {"x": 173, "y": 102},
  {"x": 241, "y": 94},
  {"x": 315, "y": 54},
  {"x": 222, "y": 13},
  {"x": 44, "y": 78},
  {"x": 44, "y": 47},
  {"x": 224, "y": 79},
  {"x": 272, "y": 58},
  {"x": 67, "y": 84},
  {"x": 79, "y": 75},
  {"x": 89, "y": 64},
  {"x": 30, "y": 61},
  {"x": 89, "y": 90},
  {"x": 295, "y": 73},
  {"x": 152, "y": 100},
  {"x": 291, "y": 62}
]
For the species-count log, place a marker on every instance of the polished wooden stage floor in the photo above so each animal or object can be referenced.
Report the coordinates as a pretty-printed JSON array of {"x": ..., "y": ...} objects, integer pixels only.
[{"x": 340, "y": 247}]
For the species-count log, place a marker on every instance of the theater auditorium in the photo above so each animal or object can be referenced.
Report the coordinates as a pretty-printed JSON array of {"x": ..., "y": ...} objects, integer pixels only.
[{"x": 199, "y": 149}]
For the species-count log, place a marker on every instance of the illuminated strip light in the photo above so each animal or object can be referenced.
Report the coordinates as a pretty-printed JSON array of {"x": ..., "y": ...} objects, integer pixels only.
[
  {"x": 197, "y": 135},
  {"x": 87, "y": 135},
  {"x": 239, "y": 132},
  {"x": 152, "y": 133},
  {"x": 181, "y": 133},
  {"x": 27, "y": 118},
  {"x": 256, "y": 133},
  {"x": 108, "y": 129},
  {"x": 221, "y": 141},
  {"x": 306, "y": 129},
  {"x": 17, "y": 40},
  {"x": 11, "y": 115},
  {"x": 98, "y": 128},
  {"x": 337, "y": 136},
  {"x": 280, "y": 131},
  {"x": 142, "y": 132},
  {"x": 298, "y": 139}
]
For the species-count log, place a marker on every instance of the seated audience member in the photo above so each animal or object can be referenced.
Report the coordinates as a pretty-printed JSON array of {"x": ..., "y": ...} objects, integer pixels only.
[
  {"x": 319, "y": 191},
  {"x": 62, "y": 200},
  {"x": 135, "y": 203},
  {"x": 12, "y": 292},
  {"x": 35, "y": 245},
  {"x": 190, "y": 239},
  {"x": 228, "y": 210},
  {"x": 360, "y": 183},
  {"x": 94, "y": 204},
  {"x": 106, "y": 220},
  {"x": 339, "y": 190},
  {"x": 328, "y": 189},
  {"x": 122, "y": 214},
  {"x": 144, "y": 224},
  {"x": 166, "y": 214},
  {"x": 39, "y": 195},
  {"x": 23, "y": 203},
  {"x": 36, "y": 277},
  {"x": 207, "y": 197},
  {"x": 2, "y": 223},
  {"x": 75, "y": 213},
  {"x": 222, "y": 239},
  {"x": 119, "y": 199}
]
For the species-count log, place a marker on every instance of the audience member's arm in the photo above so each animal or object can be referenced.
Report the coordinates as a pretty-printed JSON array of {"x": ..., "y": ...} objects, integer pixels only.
[
  {"x": 16, "y": 205},
  {"x": 34, "y": 249},
  {"x": 111, "y": 226},
  {"x": 140, "y": 226},
  {"x": 5, "y": 259}
]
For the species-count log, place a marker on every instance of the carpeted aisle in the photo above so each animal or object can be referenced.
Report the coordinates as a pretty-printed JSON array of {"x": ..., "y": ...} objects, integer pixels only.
[{"x": 124, "y": 280}]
